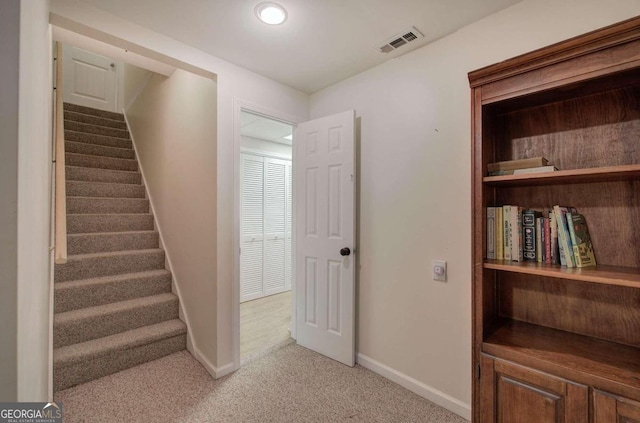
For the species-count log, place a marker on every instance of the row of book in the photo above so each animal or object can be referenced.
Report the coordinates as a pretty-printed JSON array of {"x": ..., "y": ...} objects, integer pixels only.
[{"x": 555, "y": 236}]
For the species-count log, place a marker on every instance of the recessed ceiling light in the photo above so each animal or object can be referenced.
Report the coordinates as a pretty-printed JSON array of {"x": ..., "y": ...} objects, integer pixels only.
[{"x": 271, "y": 13}]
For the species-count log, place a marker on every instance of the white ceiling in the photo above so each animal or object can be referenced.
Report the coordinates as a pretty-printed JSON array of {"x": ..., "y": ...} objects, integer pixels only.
[
  {"x": 322, "y": 42},
  {"x": 263, "y": 128}
]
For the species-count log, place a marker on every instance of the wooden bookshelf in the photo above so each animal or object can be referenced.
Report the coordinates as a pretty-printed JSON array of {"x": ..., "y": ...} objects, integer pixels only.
[
  {"x": 580, "y": 358},
  {"x": 540, "y": 328},
  {"x": 608, "y": 275},
  {"x": 574, "y": 176}
]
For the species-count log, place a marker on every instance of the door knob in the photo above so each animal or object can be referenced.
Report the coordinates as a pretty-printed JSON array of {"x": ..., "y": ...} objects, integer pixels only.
[{"x": 345, "y": 251}]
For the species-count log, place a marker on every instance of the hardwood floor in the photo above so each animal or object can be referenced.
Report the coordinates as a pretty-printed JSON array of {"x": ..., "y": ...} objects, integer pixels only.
[{"x": 264, "y": 323}]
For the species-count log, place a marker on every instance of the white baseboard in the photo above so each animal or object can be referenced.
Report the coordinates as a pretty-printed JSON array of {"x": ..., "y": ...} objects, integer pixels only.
[
  {"x": 225, "y": 370},
  {"x": 456, "y": 406},
  {"x": 214, "y": 371}
]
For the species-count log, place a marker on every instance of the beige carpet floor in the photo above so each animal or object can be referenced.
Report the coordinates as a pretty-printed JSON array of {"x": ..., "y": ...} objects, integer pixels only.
[
  {"x": 264, "y": 323},
  {"x": 291, "y": 384}
]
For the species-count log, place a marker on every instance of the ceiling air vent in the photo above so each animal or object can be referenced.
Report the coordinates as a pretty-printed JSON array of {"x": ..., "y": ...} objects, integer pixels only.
[{"x": 400, "y": 39}]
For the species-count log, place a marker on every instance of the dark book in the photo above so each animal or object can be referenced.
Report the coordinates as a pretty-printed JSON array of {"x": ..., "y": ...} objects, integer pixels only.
[
  {"x": 491, "y": 233},
  {"x": 554, "y": 250},
  {"x": 564, "y": 239},
  {"x": 529, "y": 234}
]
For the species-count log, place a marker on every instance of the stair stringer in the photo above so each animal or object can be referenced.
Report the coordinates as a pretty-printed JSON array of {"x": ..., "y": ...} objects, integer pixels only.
[{"x": 192, "y": 346}]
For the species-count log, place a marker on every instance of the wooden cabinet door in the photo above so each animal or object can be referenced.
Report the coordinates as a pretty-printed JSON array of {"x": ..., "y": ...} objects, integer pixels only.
[
  {"x": 608, "y": 408},
  {"x": 515, "y": 394}
]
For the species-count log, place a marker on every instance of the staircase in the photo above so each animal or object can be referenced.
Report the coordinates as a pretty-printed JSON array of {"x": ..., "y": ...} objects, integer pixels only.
[{"x": 113, "y": 303}]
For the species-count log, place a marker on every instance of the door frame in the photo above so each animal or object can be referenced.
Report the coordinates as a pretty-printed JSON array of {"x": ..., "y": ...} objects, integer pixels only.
[{"x": 239, "y": 106}]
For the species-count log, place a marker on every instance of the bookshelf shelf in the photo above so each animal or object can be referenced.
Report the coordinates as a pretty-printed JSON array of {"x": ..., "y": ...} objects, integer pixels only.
[
  {"x": 574, "y": 176},
  {"x": 609, "y": 275},
  {"x": 547, "y": 326},
  {"x": 574, "y": 356}
]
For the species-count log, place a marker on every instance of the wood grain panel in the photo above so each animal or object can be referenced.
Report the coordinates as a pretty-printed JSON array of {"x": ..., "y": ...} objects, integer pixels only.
[
  {"x": 604, "y": 408},
  {"x": 577, "y": 410},
  {"x": 526, "y": 396},
  {"x": 585, "y": 360},
  {"x": 602, "y": 311},
  {"x": 592, "y": 131},
  {"x": 628, "y": 411},
  {"x": 485, "y": 410}
]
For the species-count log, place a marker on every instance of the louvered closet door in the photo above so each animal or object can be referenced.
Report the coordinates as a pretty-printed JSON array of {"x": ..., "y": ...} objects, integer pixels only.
[
  {"x": 275, "y": 224},
  {"x": 251, "y": 227},
  {"x": 288, "y": 246}
]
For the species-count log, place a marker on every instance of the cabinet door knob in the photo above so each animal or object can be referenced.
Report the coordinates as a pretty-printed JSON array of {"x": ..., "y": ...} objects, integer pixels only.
[{"x": 345, "y": 251}]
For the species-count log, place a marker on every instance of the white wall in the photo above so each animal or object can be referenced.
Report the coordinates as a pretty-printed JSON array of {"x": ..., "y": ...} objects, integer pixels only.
[
  {"x": 34, "y": 184},
  {"x": 173, "y": 125},
  {"x": 234, "y": 83},
  {"x": 254, "y": 144},
  {"x": 134, "y": 81},
  {"x": 10, "y": 52},
  {"x": 415, "y": 187},
  {"x": 25, "y": 169}
]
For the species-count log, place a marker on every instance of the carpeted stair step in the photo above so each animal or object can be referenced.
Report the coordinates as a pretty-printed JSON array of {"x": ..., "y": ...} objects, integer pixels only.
[
  {"x": 79, "y": 363},
  {"x": 98, "y": 150},
  {"x": 97, "y": 205},
  {"x": 88, "y": 174},
  {"x": 88, "y": 243},
  {"x": 90, "y": 223},
  {"x": 94, "y": 120},
  {"x": 104, "y": 189},
  {"x": 74, "y": 295},
  {"x": 100, "y": 162},
  {"x": 96, "y": 139},
  {"x": 96, "y": 130},
  {"x": 85, "y": 266},
  {"x": 94, "y": 112},
  {"x": 85, "y": 324}
]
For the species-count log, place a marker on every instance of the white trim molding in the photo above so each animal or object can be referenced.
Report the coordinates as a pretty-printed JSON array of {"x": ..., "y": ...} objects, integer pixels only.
[
  {"x": 425, "y": 391},
  {"x": 215, "y": 372},
  {"x": 238, "y": 106}
]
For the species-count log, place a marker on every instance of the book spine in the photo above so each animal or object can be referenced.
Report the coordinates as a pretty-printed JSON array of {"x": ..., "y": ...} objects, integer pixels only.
[
  {"x": 516, "y": 234},
  {"x": 566, "y": 252},
  {"x": 506, "y": 215},
  {"x": 539, "y": 247},
  {"x": 491, "y": 233},
  {"x": 572, "y": 238},
  {"x": 499, "y": 234},
  {"x": 554, "y": 252},
  {"x": 583, "y": 240},
  {"x": 546, "y": 232},
  {"x": 529, "y": 235}
]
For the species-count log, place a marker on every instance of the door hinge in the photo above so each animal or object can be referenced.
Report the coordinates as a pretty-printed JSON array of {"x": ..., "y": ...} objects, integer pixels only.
[{"x": 478, "y": 371}]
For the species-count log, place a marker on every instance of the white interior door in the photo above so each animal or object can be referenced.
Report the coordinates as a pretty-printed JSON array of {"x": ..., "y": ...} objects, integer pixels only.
[
  {"x": 88, "y": 79},
  {"x": 325, "y": 229}
]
